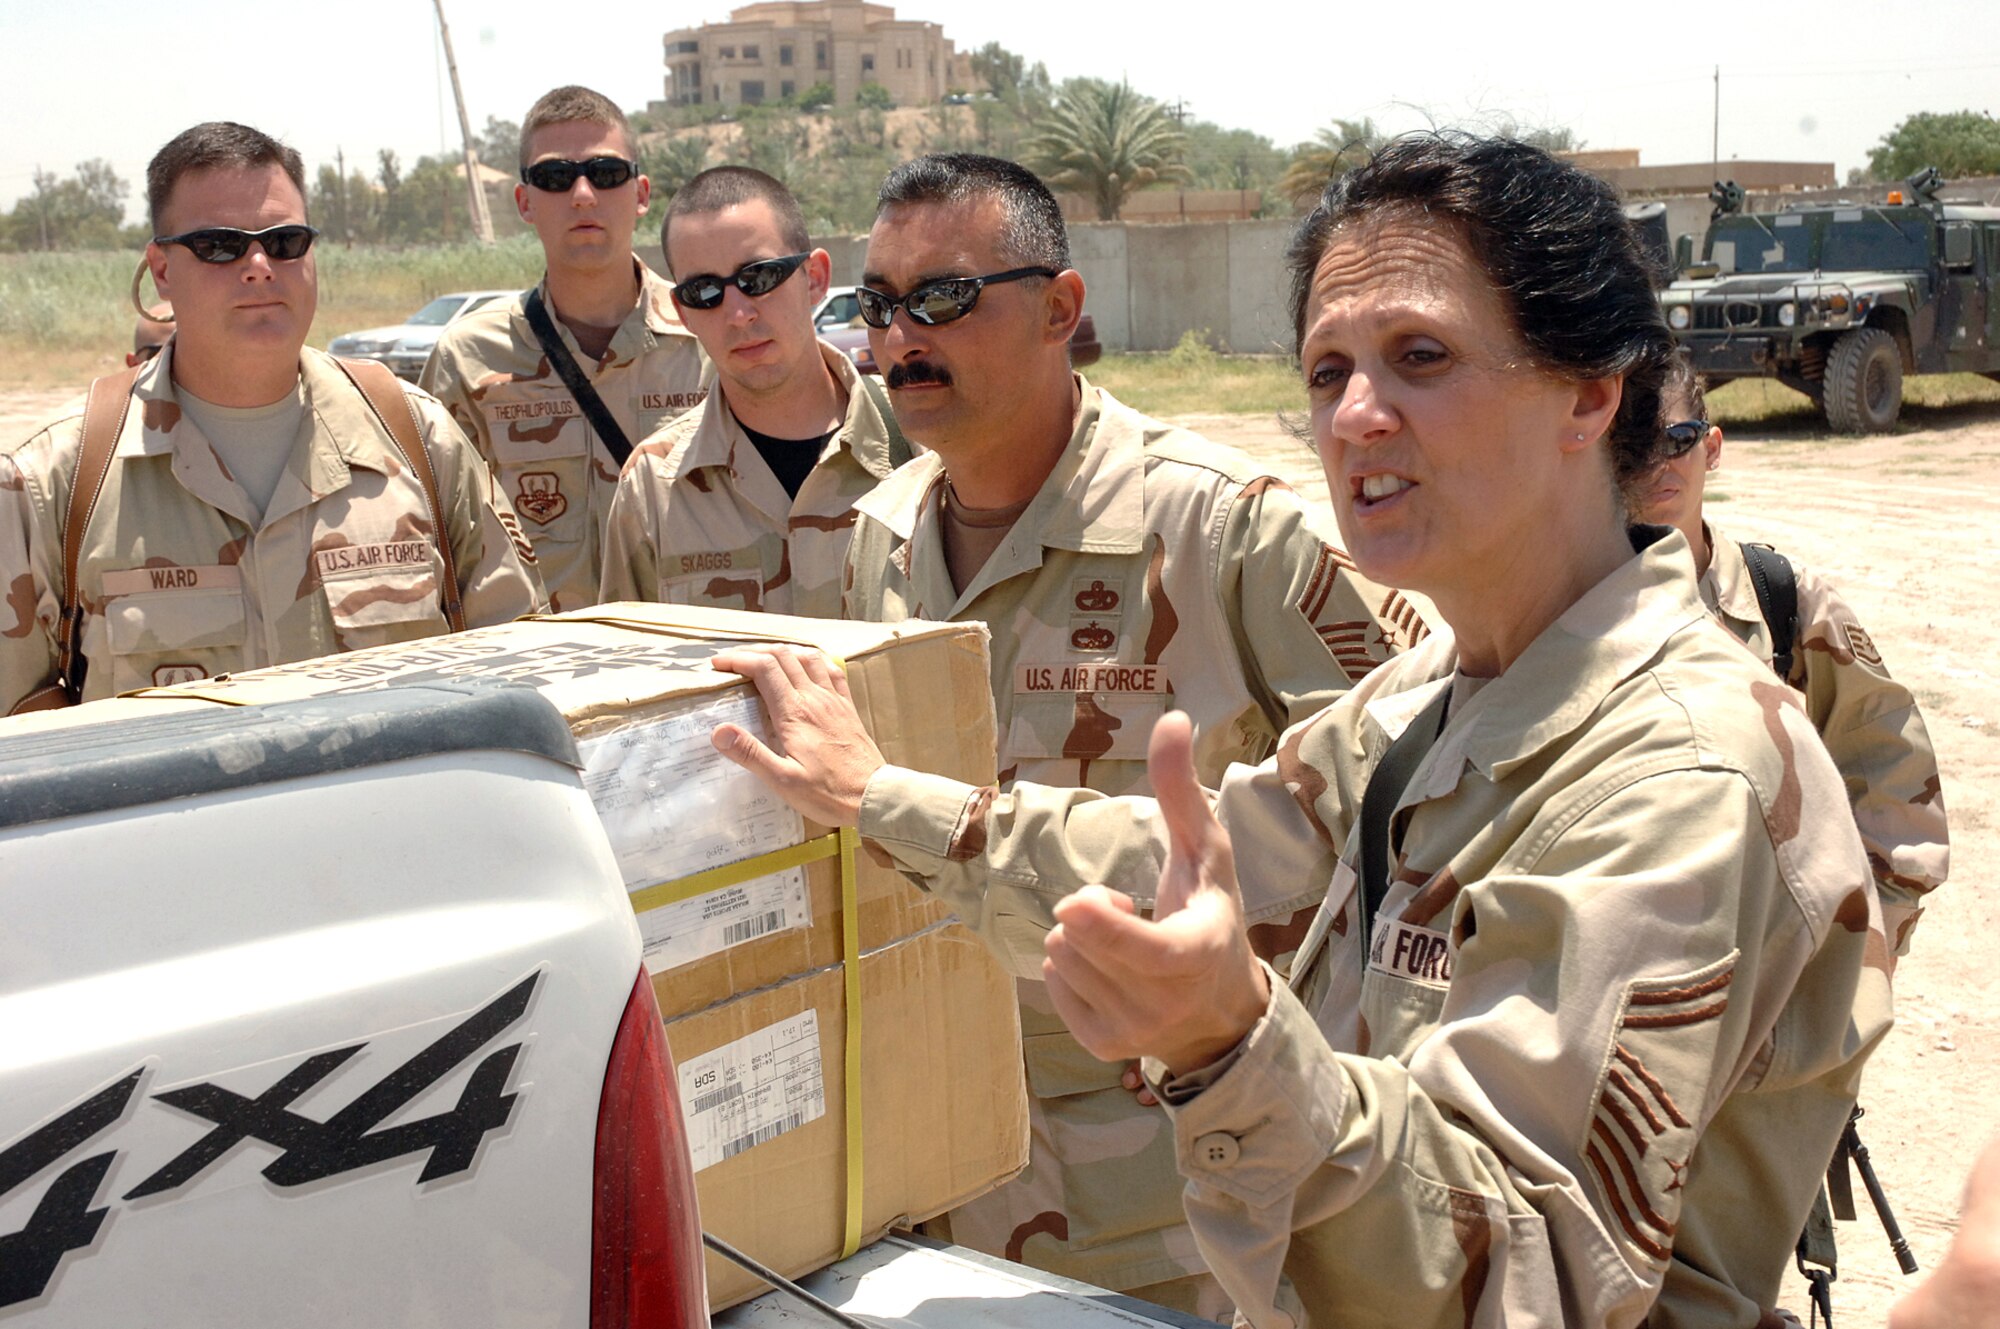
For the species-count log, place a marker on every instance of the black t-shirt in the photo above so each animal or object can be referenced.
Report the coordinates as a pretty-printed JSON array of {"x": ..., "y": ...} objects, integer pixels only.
[{"x": 790, "y": 459}]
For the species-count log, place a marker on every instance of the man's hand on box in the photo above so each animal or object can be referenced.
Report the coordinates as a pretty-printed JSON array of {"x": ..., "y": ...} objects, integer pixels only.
[{"x": 824, "y": 758}]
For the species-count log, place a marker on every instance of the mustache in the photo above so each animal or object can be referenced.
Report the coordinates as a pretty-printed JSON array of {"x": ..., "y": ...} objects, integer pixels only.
[{"x": 916, "y": 371}]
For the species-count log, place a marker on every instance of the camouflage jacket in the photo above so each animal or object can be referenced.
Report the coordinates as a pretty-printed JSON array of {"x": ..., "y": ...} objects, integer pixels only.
[
  {"x": 1153, "y": 570},
  {"x": 489, "y": 369},
  {"x": 699, "y": 518},
  {"x": 180, "y": 582},
  {"x": 1868, "y": 721},
  {"x": 1590, "y": 1066}
]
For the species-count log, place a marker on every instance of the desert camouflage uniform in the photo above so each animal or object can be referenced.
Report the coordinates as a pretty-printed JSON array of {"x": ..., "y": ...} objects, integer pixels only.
[
  {"x": 698, "y": 517},
  {"x": 1868, "y": 721},
  {"x": 1153, "y": 570},
  {"x": 180, "y": 581},
  {"x": 490, "y": 371}
]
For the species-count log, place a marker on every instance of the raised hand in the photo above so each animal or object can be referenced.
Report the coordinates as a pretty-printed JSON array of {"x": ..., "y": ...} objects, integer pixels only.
[
  {"x": 824, "y": 757},
  {"x": 1182, "y": 986}
]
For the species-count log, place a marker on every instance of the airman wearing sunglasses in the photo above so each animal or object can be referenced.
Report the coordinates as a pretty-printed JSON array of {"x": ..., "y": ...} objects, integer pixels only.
[
  {"x": 1869, "y": 722},
  {"x": 254, "y": 508},
  {"x": 1125, "y": 568},
  {"x": 748, "y": 502},
  {"x": 608, "y": 326}
]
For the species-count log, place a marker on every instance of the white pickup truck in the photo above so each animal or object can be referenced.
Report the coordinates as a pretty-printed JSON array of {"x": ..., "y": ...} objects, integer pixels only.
[{"x": 332, "y": 1012}]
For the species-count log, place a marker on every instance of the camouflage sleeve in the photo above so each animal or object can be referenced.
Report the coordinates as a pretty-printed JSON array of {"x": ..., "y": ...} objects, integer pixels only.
[
  {"x": 631, "y": 551},
  {"x": 445, "y": 378},
  {"x": 1527, "y": 1161},
  {"x": 497, "y": 578},
  {"x": 1873, "y": 730},
  {"x": 1307, "y": 624},
  {"x": 27, "y": 651},
  {"x": 1003, "y": 858}
]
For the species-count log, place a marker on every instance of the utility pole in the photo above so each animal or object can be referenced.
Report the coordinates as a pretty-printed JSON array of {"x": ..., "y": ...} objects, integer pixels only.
[
  {"x": 340, "y": 192},
  {"x": 482, "y": 224}
]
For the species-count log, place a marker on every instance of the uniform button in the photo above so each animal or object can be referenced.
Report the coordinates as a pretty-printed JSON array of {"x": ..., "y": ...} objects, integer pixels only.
[{"x": 1217, "y": 1149}]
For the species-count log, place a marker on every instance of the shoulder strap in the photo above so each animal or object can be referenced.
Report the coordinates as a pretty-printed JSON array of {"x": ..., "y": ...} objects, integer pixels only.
[
  {"x": 385, "y": 396},
  {"x": 899, "y": 446},
  {"x": 1777, "y": 587},
  {"x": 104, "y": 412},
  {"x": 565, "y": 365},
  {"x": 1386, "y": 784}
]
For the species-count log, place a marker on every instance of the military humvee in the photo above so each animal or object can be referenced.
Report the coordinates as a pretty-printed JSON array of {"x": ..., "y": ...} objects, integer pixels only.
[{"x": 1840, "y": 301}]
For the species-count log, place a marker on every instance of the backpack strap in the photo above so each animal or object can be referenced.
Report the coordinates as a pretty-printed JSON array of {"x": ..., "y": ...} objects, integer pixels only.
[
  {"x": 566, "y": 368},
  {"x": 1386, "y": 784},
  {"x": 104, "y": 412},
  {"x": 899, "y": 446},
  {"x": 391, "y": 405},
  {"x": 1777, "y": 587}
]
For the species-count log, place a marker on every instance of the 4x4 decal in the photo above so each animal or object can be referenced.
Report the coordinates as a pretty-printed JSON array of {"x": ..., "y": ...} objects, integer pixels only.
[{"x": 63, "y": 1219}]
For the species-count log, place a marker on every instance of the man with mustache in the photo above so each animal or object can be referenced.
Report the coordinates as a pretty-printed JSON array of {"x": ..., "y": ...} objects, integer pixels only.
[
  {"x": 1125, "y": 567},
  {"x": 748, "y": 502},
  {"x": 556, "y": 385}
]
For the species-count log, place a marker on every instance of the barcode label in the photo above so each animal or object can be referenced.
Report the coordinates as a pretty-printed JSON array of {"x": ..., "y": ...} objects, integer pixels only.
[
  {"x": 753, "y": 927},
  {"x": 753, "y": 1090}
]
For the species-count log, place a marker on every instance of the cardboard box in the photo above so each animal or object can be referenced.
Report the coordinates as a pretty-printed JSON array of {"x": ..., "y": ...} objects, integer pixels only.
[
  {"x": 943, "y": 1119},
  {"x": 944, "y": 1107}
]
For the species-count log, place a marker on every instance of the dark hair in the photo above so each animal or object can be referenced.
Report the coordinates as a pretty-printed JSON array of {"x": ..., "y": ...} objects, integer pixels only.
[
  {"x": 212, "y": 145},
  {"x": 1033, "y": 235},
  {"x": 568, "y": 104},
  {"x": 726, "y": 186},
  {"x": 1682, "y": 385},
  {"x": 1552, "y": 239}
]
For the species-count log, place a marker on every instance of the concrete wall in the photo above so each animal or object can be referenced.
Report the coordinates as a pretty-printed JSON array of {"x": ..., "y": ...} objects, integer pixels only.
[{"x": 1148, "y": 284}]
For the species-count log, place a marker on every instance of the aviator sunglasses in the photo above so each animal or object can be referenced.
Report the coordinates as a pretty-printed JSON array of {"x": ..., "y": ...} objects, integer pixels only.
[
  {"x": 1683, "y": 436},
  {"x": 753, "y": 279},
  {"x": 226, "y": 244},
  {"x": 558, "y": 175},
  {"x": 942, "y": 301}
]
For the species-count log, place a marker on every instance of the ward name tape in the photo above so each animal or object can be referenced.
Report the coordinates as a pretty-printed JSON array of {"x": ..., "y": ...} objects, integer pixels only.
[{"x": 755, "y": 1089}]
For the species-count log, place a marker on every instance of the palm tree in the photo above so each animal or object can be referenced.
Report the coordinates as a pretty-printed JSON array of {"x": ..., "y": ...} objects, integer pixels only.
[
  {"x": 1105, "y": 141},
  {"x": 1333, "y": 151}
]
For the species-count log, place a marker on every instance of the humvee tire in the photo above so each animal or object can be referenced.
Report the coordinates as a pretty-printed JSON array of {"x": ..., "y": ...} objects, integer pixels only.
[{"x": 1864, "y": 383}]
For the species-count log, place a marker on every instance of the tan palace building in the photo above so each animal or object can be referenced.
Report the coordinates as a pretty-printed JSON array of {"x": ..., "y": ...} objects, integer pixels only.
[{"x": 767, "y": 52}]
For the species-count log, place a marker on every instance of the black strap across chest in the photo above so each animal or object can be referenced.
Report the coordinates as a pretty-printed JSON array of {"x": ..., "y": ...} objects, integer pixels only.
[
  {"x": 573, "y": 377},
  {"x": 1386, "y": 784},
  {"x": 1777, "y": 587}
]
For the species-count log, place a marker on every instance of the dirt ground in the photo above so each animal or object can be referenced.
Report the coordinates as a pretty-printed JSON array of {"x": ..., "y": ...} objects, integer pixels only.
[{"x": 1908, "y": 526}]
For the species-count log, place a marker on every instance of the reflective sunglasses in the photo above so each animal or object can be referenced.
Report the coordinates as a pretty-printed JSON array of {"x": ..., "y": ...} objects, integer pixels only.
[
  {"x": 1683, "y": 436},
  {"x": 943, "y": 301},
  {"x": 558, "y": 175},
  {"x": 753, "y": 279},
  {"x": 226, "y": 244}
]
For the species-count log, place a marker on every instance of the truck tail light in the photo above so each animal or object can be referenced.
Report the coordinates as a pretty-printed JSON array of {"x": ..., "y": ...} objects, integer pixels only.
[{"x": 646, "y": 1253}]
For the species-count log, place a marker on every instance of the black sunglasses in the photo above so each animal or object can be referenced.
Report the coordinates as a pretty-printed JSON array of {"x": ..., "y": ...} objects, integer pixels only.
[
  {"x": 753, "y": 279},
  {"x": 1683, "y": 436},
  {"x": 935, "y": 302},
  {"x": 558, "y": 175},
  {"x": 226, "y": 244}
]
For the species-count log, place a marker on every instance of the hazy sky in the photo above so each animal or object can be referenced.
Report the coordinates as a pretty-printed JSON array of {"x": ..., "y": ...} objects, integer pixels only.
[{"x": 1811, "y": 80}]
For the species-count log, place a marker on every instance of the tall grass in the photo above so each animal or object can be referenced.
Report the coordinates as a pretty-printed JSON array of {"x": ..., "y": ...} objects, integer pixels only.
[{"x": 66, "y": 315}]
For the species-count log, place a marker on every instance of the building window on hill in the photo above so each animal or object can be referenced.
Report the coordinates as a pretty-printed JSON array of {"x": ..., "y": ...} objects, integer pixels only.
[
  {"x": 819, "y": 55},
  {"x": 751, "y": 91},
  {"x": 788, "y": 90},
  {"x": 727, "y": 53},
  {"x": 867, "y": 64},
  {"x": 752, "y": 53},
  {"x": 785, "y": 56}
]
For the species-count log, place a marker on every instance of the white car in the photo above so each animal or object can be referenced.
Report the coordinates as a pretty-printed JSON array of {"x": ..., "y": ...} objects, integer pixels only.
[{"x": 405, "y": 346}]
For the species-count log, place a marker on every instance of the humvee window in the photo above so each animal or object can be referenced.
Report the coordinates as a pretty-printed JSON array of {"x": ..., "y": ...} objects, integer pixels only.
[{"x": 1877, "y": 242}]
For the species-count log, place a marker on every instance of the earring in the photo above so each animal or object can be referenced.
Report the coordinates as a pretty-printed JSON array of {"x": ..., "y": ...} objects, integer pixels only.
[{"x": 1579, "y": 438}]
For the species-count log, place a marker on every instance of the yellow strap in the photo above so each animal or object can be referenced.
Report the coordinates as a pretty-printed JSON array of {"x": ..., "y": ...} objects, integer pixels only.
[{"x": 842, "y": 843}]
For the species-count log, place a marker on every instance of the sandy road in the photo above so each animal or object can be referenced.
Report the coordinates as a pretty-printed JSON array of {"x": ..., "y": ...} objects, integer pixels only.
[{"x": 1908, "y": 526}]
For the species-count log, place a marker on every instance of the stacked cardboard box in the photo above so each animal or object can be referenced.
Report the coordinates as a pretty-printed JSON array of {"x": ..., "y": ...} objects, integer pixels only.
[{"x": 751, "y": 976}]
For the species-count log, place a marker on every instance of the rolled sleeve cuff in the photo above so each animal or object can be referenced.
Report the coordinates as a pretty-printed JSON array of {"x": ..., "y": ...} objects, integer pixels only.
[
  {"x": 918, "y": 819},
  {"x": 1255, "y": 1124}
]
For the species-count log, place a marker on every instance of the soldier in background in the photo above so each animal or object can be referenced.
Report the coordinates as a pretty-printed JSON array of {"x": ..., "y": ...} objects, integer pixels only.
[
  {"x": 256, "y": 508},
  {"x": 556, "y": 408},
  {"x": 1869, "y": 722},
  {"x": 1125, "y": 567},
  {"x": 748, "y": 501},
  {"x": 150, "y": 334}
]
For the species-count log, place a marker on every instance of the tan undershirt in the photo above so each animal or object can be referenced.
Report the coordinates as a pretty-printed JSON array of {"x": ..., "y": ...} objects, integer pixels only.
[
  {"x": 972, "y": 534},
  {"x": 591, "y": 339},
  {"x": 254, "y": 442}
]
